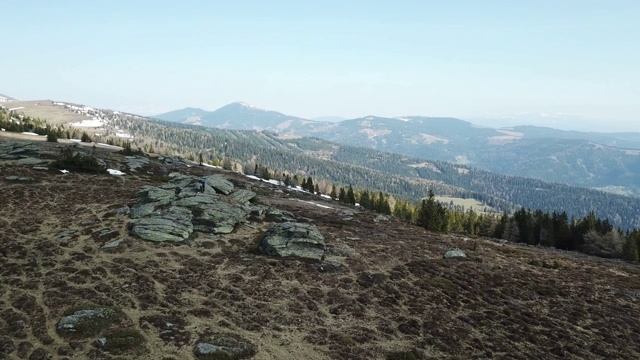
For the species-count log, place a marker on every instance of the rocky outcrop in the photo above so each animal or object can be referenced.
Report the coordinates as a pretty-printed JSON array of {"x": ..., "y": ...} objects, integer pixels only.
[
  {"x": 172, "y": 225},
  {"x": 173, "y": 211},
  {"x": 16, "y": 151},
  {"x": 219, "y": 184},
  {"x": 135, "y": 162},
  {"x": 293, "y": 240}
]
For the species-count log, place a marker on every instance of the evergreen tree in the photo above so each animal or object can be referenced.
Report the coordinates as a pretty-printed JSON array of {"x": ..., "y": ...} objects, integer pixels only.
[
  {"x": 342, "y": 195},
  {"x": 350, "y": 197},
  {"x": 334, "y": 193},
  {"x": 365, "y": 200},
  {"x": 310, "y": 188},
  {"x": 85, "y": 137},
  {"x": 630, "y": 249}
]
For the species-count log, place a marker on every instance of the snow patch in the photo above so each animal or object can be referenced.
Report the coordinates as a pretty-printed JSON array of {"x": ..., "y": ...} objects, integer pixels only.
[
  {"x": 103, "y": 144},
  {"x": 16, "y": 108},
  {"x": 115, "y": 172},
  {"x": 124, "y": 135},
  {"x": 316, "y": 204},
  {"x": 211, "y": 166},
  {"x": 29, "y": 133},
  {"x": 88, "y": 123}
]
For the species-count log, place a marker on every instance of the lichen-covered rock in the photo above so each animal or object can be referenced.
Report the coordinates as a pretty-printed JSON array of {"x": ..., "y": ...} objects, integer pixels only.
[
  {"x": 455, "y": 254},
  {"x": 293, "y": 240},
  {"x": 154, "y": 194},
  {"x": 112, "y": 244},
  {"x": 86, "y": 321},
  {"x": 225, "y": 346},
  {"x": 13, "y": 151},
  {"x": 143, "y": 209},
  {"x": 220, "y": 218},
  {"x": 278, "y": 215},
  {"x": 220, "y": 184},
  {"x": 119, "y": 341},
  {"x": 31, "y": 161},
  {"x": 172, "y": 225},
  {"x": 242, "y": 196},
  {"x": 135, "y": 162}
]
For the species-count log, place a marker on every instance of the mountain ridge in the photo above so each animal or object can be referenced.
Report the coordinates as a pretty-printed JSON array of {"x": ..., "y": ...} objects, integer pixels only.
[{"x": 538, "y": 152}]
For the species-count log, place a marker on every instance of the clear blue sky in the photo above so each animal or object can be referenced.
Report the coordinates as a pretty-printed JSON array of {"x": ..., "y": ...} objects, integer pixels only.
[{"x": 316, "y": 58}]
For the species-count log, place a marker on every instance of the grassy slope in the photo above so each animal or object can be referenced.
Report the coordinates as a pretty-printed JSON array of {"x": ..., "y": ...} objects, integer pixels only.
[
  {"x": 45, "y": 109},
  {"x": 395, "y": 292}
]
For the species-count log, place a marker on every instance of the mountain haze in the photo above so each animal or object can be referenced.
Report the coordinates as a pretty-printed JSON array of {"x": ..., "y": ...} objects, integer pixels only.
[
  {"x": 241, "y": 116},
  {"x": 609, "y": 161}
]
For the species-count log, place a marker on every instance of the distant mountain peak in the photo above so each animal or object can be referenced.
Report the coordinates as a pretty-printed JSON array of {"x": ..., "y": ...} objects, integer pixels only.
[{"x": 246, "y": 105}]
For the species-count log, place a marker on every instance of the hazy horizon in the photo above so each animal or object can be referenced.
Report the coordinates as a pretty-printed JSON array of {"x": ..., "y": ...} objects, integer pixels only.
[{"x": 470, "y": 60}]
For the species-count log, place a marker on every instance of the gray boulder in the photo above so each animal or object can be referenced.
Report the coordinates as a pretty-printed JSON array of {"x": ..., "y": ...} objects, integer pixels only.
[
  {"x": 293, "y": 240},
  {"x": 224, "y": 346},
  {"x": 198, "y": 200},
  {"x": 220, "y": 218},
  {"x": 220, "y": 184},
  {"x": 86, "y": 321},
  {"x": 455, "y": 254},
  {"x": 31, "y": 161},
  {"x": 14, "y": 151},
  {"x": 144, "y": 209},
  {"x": 112, "y": 244},
  {"x": 179, "y": 181},
  {"x": 172, "y": 225},
  {"x": 18, "y": 178},
  {"x": 135, "y": 162},
  {"x": 242, "y": 196},
  {"x": 278, "y": 215},
  {"x": 151, "y": 193}
]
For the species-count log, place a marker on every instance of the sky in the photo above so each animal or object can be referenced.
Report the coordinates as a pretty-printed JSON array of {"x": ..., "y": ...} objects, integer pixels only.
[{"x": 469, "y": 59}]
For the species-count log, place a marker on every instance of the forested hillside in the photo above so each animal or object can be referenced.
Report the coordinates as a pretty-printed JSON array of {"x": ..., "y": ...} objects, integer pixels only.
[
  {"x": 329, "y": 163},
  {"x": 395, "y": 174}
]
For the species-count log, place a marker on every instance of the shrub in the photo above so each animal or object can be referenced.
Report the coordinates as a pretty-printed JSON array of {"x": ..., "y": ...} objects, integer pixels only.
[
  {"x": 128, "y": 151},
  {"x": 52, "y": 138},
  {"x": 121, "y": 340},
  {"x": 85, "y": 137},
  {"x": 404, "y": 355},
  {"x": 75, "y": 161}
]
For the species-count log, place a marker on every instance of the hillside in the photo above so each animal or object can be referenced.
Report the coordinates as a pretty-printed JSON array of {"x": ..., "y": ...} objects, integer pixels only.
[
  {"x": 402, "y": 176},
  {"x": 588, "y": 159},
  {"x": 384, "y": 290}
]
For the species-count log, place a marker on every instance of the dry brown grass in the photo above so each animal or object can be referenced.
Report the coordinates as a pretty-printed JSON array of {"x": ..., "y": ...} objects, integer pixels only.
[{"x": 395, "y": 296}]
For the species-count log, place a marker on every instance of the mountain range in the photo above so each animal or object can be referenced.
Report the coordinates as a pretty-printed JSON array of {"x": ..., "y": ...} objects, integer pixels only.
[{"x": 607, "y": 161}]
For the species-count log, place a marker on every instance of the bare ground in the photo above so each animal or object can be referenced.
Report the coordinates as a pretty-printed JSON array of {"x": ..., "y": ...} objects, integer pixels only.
[{"x": 395, "y": 292}]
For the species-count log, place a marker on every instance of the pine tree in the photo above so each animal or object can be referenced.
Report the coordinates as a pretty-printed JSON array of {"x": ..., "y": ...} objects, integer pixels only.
[
  {"x": 365, "y": 200},
  {"x": 630, "y": 250},
  {"x": 333, "y": 194},
  {"x": 310, "y": 188},
  {"x": 342, "y": 196},
  {"x": 85, "y": 137},
  {"x": 350, "y": 196}
]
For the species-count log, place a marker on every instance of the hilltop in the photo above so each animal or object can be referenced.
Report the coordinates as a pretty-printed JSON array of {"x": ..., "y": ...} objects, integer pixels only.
[{"x": 384, "y": 289}]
